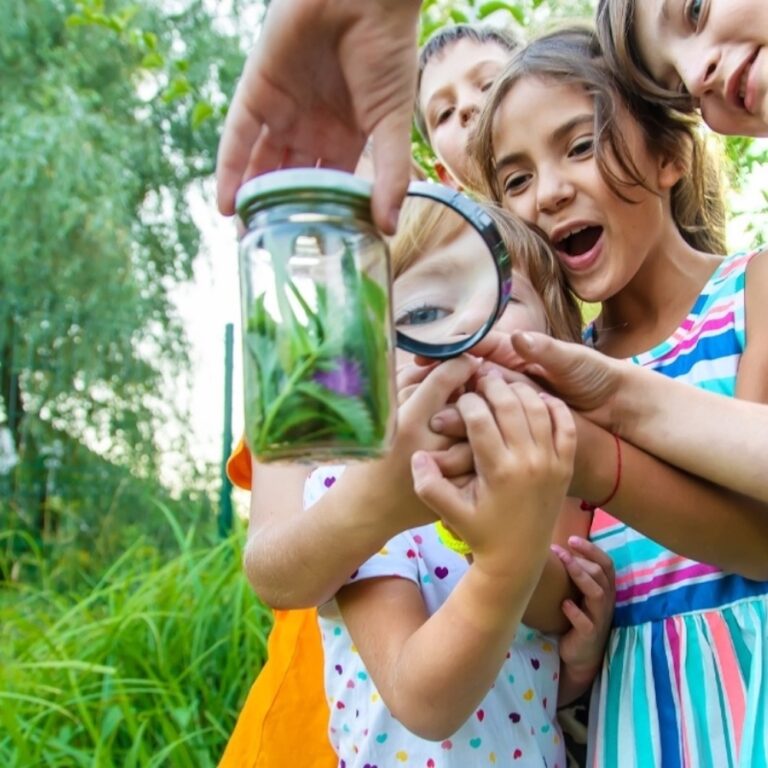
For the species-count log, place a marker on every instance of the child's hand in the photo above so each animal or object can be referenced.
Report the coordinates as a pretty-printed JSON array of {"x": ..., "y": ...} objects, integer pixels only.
[
  {"x": 523, "y": 448},
  {"x": 583, "y": 646}
]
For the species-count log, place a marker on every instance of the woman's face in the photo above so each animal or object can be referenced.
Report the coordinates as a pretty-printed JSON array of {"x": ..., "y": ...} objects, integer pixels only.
[
  {"x": 715, "y": 49},
  {"x": 545, "y": 165}
]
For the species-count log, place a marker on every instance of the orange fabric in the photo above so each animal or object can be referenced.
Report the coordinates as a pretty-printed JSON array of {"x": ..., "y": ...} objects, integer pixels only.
[
  {"x": 284, "y": 720},
  {"x": 239, "y": 465}
]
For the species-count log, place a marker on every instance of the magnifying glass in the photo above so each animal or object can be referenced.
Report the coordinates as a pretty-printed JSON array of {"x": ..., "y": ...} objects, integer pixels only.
[{"x": 451, "y": 272}]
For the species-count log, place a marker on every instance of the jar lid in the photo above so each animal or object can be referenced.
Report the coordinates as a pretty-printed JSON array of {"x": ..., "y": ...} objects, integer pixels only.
[{"x": 302, "y": 184}]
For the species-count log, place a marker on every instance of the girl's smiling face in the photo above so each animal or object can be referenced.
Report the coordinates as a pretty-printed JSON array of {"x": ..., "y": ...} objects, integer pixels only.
[
  {"x": 546, "y": 168},
  {"x": 717, "y": 50}
]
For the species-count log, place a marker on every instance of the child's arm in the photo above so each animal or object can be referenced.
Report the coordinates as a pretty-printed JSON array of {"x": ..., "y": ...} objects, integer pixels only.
[
  {"x": 583, "y": 646},
  {"x": 702, "y": 521},
  {"x": 433, "y": 671},
  {"x": 286, "y": 556},
  {"x": 720, "y": 439},
  {"x": 690, "y": 516}
]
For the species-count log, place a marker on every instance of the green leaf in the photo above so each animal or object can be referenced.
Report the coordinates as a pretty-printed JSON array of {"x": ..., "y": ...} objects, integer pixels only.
[
  {"x": 177, "y": 89},
  {"x": 352, "y": 410},
  {"x": 458, "y": 16},
  {"x": 201, "y": 112},
  {"x": 486, "y": 9},
  {"x": 152, "y": 61}
]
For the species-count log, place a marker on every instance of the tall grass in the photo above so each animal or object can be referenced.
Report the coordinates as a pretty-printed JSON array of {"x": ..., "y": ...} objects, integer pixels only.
[{"x": 146, "y": 667}]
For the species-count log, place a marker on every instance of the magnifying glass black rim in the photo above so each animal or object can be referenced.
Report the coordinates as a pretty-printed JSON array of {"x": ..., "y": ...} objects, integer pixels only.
[{"x": 484, "y": 225}]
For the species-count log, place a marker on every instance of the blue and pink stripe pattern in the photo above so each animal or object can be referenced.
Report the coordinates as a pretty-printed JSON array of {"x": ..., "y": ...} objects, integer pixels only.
[{"x": 685, "y": 678}]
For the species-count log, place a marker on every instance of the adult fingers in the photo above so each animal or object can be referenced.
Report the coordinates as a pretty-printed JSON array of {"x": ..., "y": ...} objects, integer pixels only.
[
  {"x": 392, "y": 164},
  {"x": 448, "y": 422},
  {"x": 242, "y": 129},
  {"x": 496, "y": 346}
]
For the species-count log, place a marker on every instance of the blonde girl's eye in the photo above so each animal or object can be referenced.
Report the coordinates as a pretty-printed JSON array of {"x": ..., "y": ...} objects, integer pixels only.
[
  {"x": 693, "y": 12},
  {"x": 422, "y": 315},
  {"x": 443, "y": 115},
  {"x": 486, "y": 86}
]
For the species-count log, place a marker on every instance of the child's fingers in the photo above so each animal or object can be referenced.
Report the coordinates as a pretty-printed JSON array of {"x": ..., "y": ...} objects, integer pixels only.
[
  {"x": 439, "y": 494},
  {"x": 537, "y": 414},
  {"x": 507, "y": 408},
  {"x": 413, "y": 374},
  {"x": 455, "y": 461},
  {"x": 405, "y": 393},
  {"x": 588, "y": 585},
  {"x": 483, "y": 431},
  {"x": 592, "y": 552},
  {"x": 579, "y": 620},
  {"x": 443, "y": 380},
  {"x": 563, "y": 427}
]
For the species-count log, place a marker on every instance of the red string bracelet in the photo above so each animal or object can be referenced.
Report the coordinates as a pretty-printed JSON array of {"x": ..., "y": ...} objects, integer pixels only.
[{"x": 587, "y": 506}]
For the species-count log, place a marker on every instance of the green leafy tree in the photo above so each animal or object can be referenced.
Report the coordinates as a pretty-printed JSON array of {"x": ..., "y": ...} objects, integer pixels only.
[{"x": 111, "y": 114}]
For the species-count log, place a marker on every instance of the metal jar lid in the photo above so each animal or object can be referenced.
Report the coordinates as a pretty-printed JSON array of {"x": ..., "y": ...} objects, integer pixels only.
[{"x": 294, "y": 185}]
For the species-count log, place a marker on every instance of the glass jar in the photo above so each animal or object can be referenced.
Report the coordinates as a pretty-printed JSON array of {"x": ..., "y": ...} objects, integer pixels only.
[{"x": 317, "y": 328}]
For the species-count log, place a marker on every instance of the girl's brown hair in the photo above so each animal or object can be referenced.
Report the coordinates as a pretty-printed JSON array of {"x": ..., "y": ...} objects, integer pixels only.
[
  {"x": 424, "y": 225},
  {"x": 615, "y": 20},
  {"x": 572, "y": 55}
]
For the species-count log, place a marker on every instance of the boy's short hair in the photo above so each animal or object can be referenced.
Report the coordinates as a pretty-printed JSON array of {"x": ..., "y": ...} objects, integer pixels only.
[{"x": 445, "y": 37}]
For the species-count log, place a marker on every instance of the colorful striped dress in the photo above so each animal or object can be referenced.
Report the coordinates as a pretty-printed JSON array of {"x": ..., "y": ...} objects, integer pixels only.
[{"x": 685, "y": 677}]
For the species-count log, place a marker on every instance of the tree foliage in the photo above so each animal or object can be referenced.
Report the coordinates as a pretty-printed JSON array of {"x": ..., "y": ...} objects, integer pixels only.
[
  {"x": 104, "y": 128},
  {"x": 111, "y": 115}
]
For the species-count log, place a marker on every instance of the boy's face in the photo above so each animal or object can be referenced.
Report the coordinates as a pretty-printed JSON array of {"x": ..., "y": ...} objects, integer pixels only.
[{"x": 454, "y": 85}]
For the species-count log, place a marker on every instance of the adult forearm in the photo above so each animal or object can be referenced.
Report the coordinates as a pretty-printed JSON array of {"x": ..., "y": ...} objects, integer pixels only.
[{"x": 721, "y": 439}]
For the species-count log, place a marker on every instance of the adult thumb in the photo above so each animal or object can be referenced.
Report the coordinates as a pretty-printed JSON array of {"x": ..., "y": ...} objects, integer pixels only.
[{"x": 544, "y": 352}]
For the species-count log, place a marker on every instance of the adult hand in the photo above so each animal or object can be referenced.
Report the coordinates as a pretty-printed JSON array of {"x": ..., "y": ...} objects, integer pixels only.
[
  {"x": 323, "y": 77},
  {"x": 584, "y": 378}
]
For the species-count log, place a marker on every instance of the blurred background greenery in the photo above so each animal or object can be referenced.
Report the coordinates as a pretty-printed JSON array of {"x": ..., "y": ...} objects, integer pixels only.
[{"x": 129, "y": 635}]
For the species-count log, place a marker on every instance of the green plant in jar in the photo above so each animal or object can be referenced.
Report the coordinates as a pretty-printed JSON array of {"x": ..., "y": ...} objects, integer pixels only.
[{"x": 317, "y": 334}]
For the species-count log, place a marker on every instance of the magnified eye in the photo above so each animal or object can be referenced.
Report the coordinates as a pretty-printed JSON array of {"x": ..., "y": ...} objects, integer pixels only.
[
  {"x": 422, "y": 315},
  {"x": 694, "y": 12}
]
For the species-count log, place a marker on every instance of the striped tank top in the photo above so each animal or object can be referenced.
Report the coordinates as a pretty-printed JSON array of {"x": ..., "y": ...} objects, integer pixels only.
[{"x": 685, "y": 677}]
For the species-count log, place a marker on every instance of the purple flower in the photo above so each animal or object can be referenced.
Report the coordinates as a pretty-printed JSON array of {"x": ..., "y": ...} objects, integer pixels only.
[{"x": 343, "y": 379}]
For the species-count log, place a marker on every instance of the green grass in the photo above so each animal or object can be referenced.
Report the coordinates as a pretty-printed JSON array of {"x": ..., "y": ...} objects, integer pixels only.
[{"x": 146, "y": 666}]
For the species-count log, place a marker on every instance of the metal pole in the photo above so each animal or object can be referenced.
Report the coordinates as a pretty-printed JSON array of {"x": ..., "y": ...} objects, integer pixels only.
[{"x": 225, "y": 495}]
